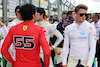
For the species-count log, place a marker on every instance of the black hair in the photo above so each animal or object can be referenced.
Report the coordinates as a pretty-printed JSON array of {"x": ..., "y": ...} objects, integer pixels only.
[
  {"x": 70, "y": 12},
  {"x": 41, "y": 11},
  {"x": 64, "y": 12},
  {"x": 17, "y": 9},
  {"x": 27, "y": 11},
  {"x": 96, "y": 15}
]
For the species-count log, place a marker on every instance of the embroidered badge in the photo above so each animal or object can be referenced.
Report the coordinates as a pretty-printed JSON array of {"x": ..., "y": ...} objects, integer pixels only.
[
  {"x": 67, "y": 29},
  {"x": 24, "y": 27},
  {"x": 90, "y": 28}
]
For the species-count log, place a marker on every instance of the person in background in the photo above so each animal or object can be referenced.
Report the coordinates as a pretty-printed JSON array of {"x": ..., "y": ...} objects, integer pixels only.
[
  {"x": 70, "y": 17},
  {"x": 64, "y": 14},
  {"x": 55, "y": 21},
  {"x": 13, "y": 23},
  {"x": 3, "y": 30},
  {"x": 71, "y": 14},
  {"x": 46, "y": 18},
  {"x": 18, "y": 17},
  {"x": 96, "y": 23},
  {"x": 89, "y": 18},
  {"x": 3, "y": 33},
  {"x": 40, "y": 13},
  {"x": 50, "y": 21},
  {"x": 81, "y": 36},
  {"x": 27, "y": 41},
  {"x": 61, "y": 27}
]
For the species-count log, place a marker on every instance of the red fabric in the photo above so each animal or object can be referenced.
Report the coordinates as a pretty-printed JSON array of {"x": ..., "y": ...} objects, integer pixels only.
[{"x": 27, "y": 45}]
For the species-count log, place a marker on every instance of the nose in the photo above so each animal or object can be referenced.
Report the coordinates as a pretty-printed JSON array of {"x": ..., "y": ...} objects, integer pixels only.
[{"x": 84, "y": 16}]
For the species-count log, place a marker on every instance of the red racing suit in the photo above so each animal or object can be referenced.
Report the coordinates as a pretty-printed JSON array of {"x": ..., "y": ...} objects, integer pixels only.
[{"x": 27, "y": 39}]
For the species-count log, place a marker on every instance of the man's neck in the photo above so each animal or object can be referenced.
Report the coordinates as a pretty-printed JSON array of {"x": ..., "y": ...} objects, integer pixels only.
[
  {"x": 32, "y": 20},
  {"x": 19, "y": 18},
  {"x": 41, "y": 19},
  {"x": 78, "y": 22}
]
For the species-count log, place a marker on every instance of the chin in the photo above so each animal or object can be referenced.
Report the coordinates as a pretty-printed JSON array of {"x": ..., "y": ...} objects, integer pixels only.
[{"x": 82, "y": 21}]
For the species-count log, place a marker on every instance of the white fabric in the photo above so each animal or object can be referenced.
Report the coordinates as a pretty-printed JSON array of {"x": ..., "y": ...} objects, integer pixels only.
[
  {"x": 51, "y": 29},
  {"x": 3, "y": 33},
  {"x": 4, "y": 28},
  {"x": 82, "y": 40},
  {"x": 97, "y": 27},
  {"x": 1, "y": 46},
  {"x": 59, "y": 57},
  {"x": 72, "y": 62},
  {"x": 14, "y": 22},
  {"x": 55, "y": 24}
]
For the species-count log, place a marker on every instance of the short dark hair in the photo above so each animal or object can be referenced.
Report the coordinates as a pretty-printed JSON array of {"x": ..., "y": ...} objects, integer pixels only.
[
  {"x": 80, "y": 6},
  {"x": 27, "y": 11},
  {"x": 41, "y": 11},
  {"x": 96, "y": 15},
  {"x": 17, "y": 8},
  {"x": 70, "y": 12},
  {"x": 64, "y": 12}
]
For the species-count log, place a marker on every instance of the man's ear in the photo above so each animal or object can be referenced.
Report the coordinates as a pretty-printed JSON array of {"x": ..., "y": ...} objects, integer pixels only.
[
  {"x": 33, "y": 16},
  {"x": 16, "y": 13},
  {"x": 42, "y": 14}
]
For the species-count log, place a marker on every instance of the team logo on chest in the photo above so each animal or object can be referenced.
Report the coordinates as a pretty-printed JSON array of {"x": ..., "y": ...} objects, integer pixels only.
[
  {"x": 82, "y": 33},
  {"x": 90, "y": 28},
  {"x": 24, "y": 27}
]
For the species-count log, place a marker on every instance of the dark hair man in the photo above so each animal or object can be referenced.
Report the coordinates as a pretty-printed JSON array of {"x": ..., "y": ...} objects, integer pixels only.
[
  {"x": 18, "y": 17},
  {"x": 27, "y": 38},
  {"x": 40, "y": 13}
]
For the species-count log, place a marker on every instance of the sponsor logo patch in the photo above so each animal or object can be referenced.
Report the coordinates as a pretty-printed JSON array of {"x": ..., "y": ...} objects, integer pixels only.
[
  {"x": 67, "y": 29},
  {"x": 90, "y": 28},
  {"x": 24, "y": 28},
  {"x": 82, "y": 33}
]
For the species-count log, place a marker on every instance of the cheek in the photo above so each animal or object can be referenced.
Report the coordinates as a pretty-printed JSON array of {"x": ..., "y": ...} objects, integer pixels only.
[
  {"x": 77, "y": 17},
  {"x": 85, "y": 17},
  {"x": 36, "y": 17}
]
